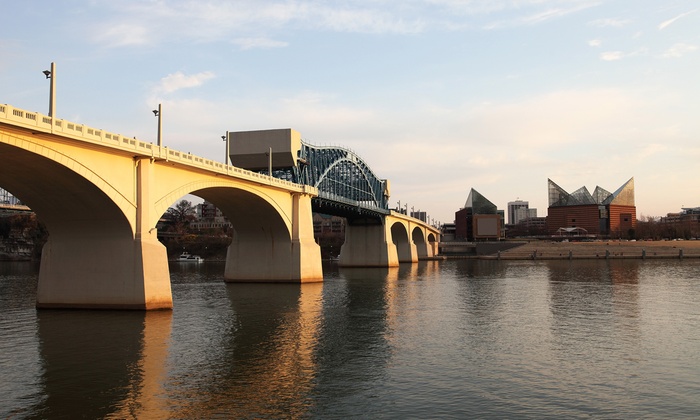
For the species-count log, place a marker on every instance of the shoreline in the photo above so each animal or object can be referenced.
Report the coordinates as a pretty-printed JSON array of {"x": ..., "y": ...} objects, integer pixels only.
[{"x": 549, "y": 250}]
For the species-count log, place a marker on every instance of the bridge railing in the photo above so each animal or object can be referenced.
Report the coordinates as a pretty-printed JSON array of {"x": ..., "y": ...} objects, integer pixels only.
[{"x": 46, "y": 124}]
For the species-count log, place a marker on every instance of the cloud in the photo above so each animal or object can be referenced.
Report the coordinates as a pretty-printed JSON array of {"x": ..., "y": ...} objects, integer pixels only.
[
  {"x": 544, "y": 13},
  {"x": 679, "y": 50},
  {"x": 176, "y": 81},
  {"x": 604, "y": 23},
  {"x": 611, "y": 55},
  {"x": 122, "y": 35},
  {"x": 139, "y": 23},
  {"x": 663, "y": 25},
  {"x": 258, "y": 43},
  {"x": 619, "y": 55},
  {"x": 595, "y": 43}
]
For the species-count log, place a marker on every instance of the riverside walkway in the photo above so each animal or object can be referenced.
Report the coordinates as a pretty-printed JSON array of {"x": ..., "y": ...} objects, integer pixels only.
[{"x": 612, "y": 249}]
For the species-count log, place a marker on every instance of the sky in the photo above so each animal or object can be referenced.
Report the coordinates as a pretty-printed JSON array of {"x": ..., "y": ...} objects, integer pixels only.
[{"x": 438, "y": 96}]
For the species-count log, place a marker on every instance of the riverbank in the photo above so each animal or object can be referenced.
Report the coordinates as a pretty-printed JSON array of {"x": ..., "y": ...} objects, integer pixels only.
[{"x": 549, "y": 250}]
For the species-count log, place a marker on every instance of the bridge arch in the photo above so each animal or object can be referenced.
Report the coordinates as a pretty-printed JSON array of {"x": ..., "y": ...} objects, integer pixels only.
[
  {"x": 262, "y": 246},
  {"x": 224, "y": 195},
  {"x": 94, "y": 256},
  {"x": 418, "y": 237},
  {"x": 58, "y": 187},
  {"x": 400, "y": 238},
  {"x": 341, "y": 174}
]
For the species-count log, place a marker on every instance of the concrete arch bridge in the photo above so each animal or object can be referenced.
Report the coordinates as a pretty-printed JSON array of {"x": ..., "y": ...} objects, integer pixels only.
[{"x": 101, "y": 194}]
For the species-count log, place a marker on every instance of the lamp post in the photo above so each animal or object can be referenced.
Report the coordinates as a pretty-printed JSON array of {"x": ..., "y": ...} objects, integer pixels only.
[
  {"x": 269, "y": 162},
  {"x": 159, "y": 113},
  {"x": 225, "y": 138},
  {"x": 51, "y": 74}
]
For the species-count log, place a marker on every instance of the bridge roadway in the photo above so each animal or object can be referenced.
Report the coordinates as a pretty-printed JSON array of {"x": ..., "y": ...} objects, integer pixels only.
[{"x": 101, "y": 194}]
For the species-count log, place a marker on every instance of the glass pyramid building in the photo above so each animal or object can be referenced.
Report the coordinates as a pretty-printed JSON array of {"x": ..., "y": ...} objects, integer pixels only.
[{"x": 623, "y": 196}]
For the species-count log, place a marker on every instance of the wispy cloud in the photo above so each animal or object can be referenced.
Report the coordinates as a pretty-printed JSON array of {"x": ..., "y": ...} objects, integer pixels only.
[
  {"x": 258, "y": 43},
  {"x": 544, "y": 11},
  {"x": 595, "y": 43},
  {"x": 122, "y": 35},
  {"x": 139, "y": 23},
  {"x": 176, "y": 81},
  {"x": 619, "y": 55},
  {"x": 611, "y": 55},
  {"x": 663, "y": 25},
  {"x": 604, "y": 23},
  {"x": 679, "y": 50}
]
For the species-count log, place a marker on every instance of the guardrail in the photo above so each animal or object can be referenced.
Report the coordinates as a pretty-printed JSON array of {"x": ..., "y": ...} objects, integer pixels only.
[{"x": 43, "y": 123}]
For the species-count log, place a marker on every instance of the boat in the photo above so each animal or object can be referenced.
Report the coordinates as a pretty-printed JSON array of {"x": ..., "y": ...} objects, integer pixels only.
[{"x": 187, "y": 257}]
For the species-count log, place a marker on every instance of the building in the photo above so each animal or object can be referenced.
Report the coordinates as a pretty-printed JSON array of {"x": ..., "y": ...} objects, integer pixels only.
[
  {"x": 7, "y": 198},
  {"x": 479, "y": 220},
  {"x": 530, "y": 226},
  {"x": 420, "y": 215},
  {"x": 448, "y": 232},
  {"x": 325, "y": 225},
  {"x": 209, "y": 217},
  {"x": 599, "y": 214},
  {"x": 517, "y": 211}
]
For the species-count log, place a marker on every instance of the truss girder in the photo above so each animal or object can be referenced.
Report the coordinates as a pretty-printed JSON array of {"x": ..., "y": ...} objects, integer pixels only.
[{"x": 341, "y": 175}]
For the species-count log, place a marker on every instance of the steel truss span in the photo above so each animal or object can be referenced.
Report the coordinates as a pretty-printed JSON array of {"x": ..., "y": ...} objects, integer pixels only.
[{"x": 346, "y": 184}]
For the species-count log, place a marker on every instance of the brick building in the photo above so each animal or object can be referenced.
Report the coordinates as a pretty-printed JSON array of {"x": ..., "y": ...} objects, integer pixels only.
[
  {"x": 478, "y": 220},
  {"x": 600, "y": 214}
]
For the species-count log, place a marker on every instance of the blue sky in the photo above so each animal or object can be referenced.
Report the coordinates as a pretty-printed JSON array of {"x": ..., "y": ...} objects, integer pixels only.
[{"x": 438, "y": 96}]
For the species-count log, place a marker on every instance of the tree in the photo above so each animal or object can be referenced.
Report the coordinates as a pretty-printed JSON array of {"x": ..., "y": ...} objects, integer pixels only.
[{"x": 181, "y": 215}]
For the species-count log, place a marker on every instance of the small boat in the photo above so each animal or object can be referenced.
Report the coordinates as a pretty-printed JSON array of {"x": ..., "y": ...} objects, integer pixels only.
[{"x": 187, "y": 257}]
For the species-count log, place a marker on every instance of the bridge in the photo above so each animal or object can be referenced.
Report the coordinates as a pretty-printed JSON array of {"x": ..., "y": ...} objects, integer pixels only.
[{"x": 100, "y": 194}]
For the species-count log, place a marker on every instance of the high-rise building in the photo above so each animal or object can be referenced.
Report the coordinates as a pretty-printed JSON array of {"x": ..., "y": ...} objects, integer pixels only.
[{"x": 517, "y": 211}]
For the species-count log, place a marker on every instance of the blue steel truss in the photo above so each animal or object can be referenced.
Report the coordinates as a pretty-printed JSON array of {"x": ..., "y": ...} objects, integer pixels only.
[{"x": 346, "y": 184}]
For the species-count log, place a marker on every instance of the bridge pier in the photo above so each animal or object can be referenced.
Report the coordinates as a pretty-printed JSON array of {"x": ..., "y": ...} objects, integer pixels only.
[
  {"x": 368, "y": 245},
  {"x": 95, "y": 271},
  {"x": 95, "y": 260},
  {"x": 261, "y": 253}
]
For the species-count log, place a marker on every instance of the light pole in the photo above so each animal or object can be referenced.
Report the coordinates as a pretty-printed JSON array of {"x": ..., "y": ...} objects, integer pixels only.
[
  {"x": 51, "y": 74},
  {"x": 225, "y": 138},
  {"x": 159, "y": 113},
  {"x": 269, "y": 162}
]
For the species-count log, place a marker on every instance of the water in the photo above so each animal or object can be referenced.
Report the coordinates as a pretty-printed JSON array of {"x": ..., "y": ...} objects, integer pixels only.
[{"x": 454, "y": 339}]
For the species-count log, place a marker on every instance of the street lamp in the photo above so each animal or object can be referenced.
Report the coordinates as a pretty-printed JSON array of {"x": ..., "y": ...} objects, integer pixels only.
[
  {"x": 51, "y": 74},
  {"x": 159, "y": 113},
  {"x": 225, "y": 138},
  {"x": 269, "y": 162}
]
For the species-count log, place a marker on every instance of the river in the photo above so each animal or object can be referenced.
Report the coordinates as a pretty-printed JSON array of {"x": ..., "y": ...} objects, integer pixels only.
[{"x": 450, "y": 339}]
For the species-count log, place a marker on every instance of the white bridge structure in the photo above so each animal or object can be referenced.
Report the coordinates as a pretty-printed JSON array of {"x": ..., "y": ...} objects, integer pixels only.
[{"x": 101, "y": 194}]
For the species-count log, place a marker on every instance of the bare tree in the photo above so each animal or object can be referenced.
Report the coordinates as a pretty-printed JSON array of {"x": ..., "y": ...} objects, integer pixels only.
[{"x": 181, "y": 215}]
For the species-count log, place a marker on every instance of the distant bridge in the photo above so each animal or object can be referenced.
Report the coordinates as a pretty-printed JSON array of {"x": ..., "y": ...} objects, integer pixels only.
[{"x": 101, "y": 194}]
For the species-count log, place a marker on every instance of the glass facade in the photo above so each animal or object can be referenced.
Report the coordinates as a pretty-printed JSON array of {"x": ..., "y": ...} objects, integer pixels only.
[
  {"x": 7, "y": 198},
  {"x": 623, "y": 196},
  {"x": 479, "y": 204}
]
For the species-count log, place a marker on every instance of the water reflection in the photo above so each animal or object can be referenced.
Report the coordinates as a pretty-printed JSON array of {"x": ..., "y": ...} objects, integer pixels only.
[
  {"x": 455, "y": 339},
  {"x": 354, "y": 352},
  {"x": 261, "y": 364},
  {"x": 98, "y": 364}
]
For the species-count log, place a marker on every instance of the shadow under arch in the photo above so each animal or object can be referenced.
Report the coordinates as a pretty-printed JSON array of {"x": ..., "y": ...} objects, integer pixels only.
[
  {"x": 399, "y": 235},
  {"x": 418, "y": 238}
]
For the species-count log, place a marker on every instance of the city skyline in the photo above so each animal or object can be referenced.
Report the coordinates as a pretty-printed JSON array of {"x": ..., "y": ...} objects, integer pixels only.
[{"x": 437, "y": 96}]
